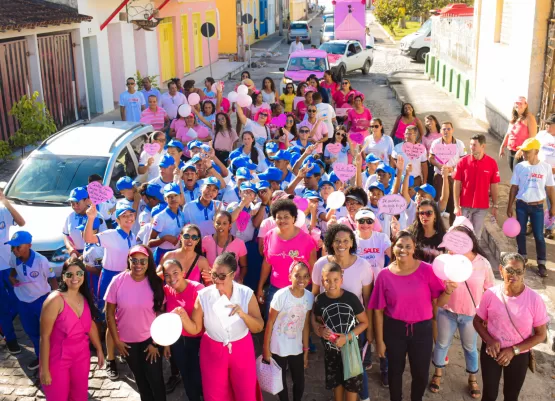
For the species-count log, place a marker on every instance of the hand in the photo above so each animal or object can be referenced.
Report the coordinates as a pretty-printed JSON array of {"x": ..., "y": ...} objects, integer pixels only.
[
  {"x": 309, "y": 149},
  {"x": 92, "y": 212},
  {"x": 519, "y": 154},
  {"x": 260, "y": 296},
  {"x": 332, "y": 221},
  {"x": 3, "y": 197},
  {"x": 206, "y": 277},
  {"x": 305, "y": 357},
  {"x": 14, "y": 281},
  {"x": 325, "y": 333},
  {"x": 400, "y": 164},
  {"x": 341, "y": 340},
  {"x": 266, "y": 198},
  {"x": 45, "y": 377},
  {"x": 552, "y": 212},
  {"x": 446, "y": 170},
  {"x": 408, "y": 170},
  {"x": 167, "y": 353},
  {"x": 303, "y": 171},
  {"x": 247, "y": 198},
  {"x": 493, "y": 348},
  {"x": 505, "y": 356},
  {"x": 358, "y": 159},
  {"x": 494, "y": 212},
  {"x": 380, "y": 349},
  {"x": 100, "y": 357},
  {"x": 150, "y": 161},
  {"x": 152, "y": 353},
  {"x": 509, "y": 212},
  {"x": 122, "y": 348},
  {"x": 450, "y": 286},
  {"x": 267, "y": 355},
  {"x": 369, "y": 337},
  {"x": 180, "y": 311},
  {"x": 501, "y": 151},
  {"x": 457, "y": 211},
  {"x": 236, "y": 310}
]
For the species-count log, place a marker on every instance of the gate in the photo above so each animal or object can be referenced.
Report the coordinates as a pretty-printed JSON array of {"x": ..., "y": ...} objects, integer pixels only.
[
  {"x": 547, "y": 106},
  {"x": 15, "y": 82},
  {"x": 58, "y": 77}
]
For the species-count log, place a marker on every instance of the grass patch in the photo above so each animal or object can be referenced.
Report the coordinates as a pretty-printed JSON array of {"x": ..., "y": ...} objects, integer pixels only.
[{"x": 412, "y": 26}]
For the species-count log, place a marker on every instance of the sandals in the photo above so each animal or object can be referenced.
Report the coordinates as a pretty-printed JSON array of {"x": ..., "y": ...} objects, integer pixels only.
[
  {"x": 474, "y": 392},
  {"x": 434, "y": 386}
]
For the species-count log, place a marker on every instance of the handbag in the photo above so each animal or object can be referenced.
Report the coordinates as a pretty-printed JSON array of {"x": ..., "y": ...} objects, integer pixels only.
[
  {"x": 269, "y": 376},
  {"x": 350, "y": 356},
  {"x": 532, "y": 359}
]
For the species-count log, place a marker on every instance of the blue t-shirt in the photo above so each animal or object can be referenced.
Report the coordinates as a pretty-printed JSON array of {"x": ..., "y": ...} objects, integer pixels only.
[{"x": 132, "y": 104}]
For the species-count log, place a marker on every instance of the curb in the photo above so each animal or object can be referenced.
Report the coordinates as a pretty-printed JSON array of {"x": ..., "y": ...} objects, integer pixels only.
[{"x": 384, "y": 31}]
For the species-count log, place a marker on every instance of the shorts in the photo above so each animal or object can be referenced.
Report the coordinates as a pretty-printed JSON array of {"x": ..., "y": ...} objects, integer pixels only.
[
  {"x": 106, "y": 277},
  {"x": 334, "y": 372}
]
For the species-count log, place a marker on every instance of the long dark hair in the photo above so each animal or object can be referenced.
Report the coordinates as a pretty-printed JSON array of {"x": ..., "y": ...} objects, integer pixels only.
[
  {"x": 476, "y": 249},
  {"x": 403, "y": 109},
  {"x": 218, "y": 128},
  {"x": 254, "y": 151},
  {"x": 212, "y": 104},
  {"x": 344, "y": 139},
  {"x": 84, "y": 289},
  {"x": 516, "y": 116},
  {"x": 272, "y": 84},
  {"x": 379, "y": 121},
  {"x": 436, "y": 122},
  {"x": 417, "y": 230},
  {"x": 198, "y": 246},
  {"x": 156, "y": 284}
]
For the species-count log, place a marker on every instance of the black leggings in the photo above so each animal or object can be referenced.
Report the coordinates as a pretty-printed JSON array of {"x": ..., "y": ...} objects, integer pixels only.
[
  {"x": 148, "y": 376},
  {"x": 185, "y": 352},
  {"x": 513, "y": 376},
  {"x": 415, "y": 340},
  {"x": 296, "y": 367}
]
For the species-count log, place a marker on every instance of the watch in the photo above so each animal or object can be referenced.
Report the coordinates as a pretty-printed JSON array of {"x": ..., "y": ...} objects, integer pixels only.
[
  {"x": 495, "y": 206},
  {"x": 516, "y": 350}
]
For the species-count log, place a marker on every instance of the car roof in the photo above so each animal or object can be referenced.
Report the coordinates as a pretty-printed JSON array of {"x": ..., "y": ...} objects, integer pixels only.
[
  {"x": 342, "y": 41},
  {"x": 300, "y": 22},
  {"x": 309, "y": 53},
  {"x": 89, "y": 139}
]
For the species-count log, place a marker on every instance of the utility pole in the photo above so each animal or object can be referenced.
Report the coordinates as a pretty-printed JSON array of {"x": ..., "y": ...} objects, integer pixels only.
[{"x": 280, "y": 16}]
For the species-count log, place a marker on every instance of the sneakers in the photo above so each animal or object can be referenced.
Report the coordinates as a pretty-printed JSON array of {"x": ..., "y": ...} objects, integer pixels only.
[
  {"x": 33, "y": 365},
  {"x": 549, "y": 234},
  {"x": 385, "y": 379},
  {"x": 13, "y": 347},
  {"x": 172, "y": 383},
  {"x": 112, "y": 370},
  {"x": 542, "y": 270}
]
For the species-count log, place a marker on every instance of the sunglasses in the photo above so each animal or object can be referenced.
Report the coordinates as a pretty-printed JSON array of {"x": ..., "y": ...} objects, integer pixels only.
[
  {"x": 194, "y": 237},
  {"x": 513, "y": 272},
  {"x": 130, "y": 83},
  {"x": 428, "y": 213},
  {"x": 79, "y": 273},
  {"x": 365, "y": 221},
  {"x": 263, "y": 115},
  {"x": 312, "y": 111},
  {"x": 142, "y": 262},
  {"x": 341, "y": 134},
  {"x": 374, "y": 126},
  {"x": 345, "y": 83},
  {"x": 220, "y": 276}
]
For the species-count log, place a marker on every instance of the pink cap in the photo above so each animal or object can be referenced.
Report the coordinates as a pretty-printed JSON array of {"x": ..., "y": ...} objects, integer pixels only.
[{"x": 139, "y": 249}]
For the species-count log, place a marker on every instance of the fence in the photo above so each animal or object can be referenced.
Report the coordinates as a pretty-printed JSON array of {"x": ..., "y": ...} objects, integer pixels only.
[{"x": 454, "y": 41}]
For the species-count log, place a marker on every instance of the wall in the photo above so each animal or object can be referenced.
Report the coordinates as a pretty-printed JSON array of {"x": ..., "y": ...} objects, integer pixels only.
[
  {"x": 297, "y": 10},
  {"x": 228, "y": 25}
]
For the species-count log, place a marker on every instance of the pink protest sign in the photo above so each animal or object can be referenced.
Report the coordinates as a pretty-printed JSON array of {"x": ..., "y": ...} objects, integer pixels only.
[
  {"x": 547, "y": 219},
  {"x": 341, "y": 112},
  {"x": 302, "y": 203},
  {"x": 99, "y": 193},
  {"x": 413, "y": 151},
  {"x": 279, "y": 121},
  {"x": 334, "y": 148},
  {"x": 243, "y": 221},
  {"x": 356, "y": 137},
  {"x": 392, "y": 205},
  {"x": 443, "y": 153},
  {"x": 344, "y": 171},
  {"x": 152, "y": 148},
  {"x": 457, "y": 242}
]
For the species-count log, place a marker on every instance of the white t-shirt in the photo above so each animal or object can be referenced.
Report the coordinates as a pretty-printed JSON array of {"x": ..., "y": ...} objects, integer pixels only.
[
  {"x": 117, "y": 245},
  {"x": 93, "y": 255},
  {"x": 172, "y": 103},
  {"x": 342, "y": 156},
  {"x": 408, "y": 216},
  {"x": 287, "y": 336},
  {"x": 532, "y": 180},
  {"x": 381, "y": 149},
  {"x": 547, "y": 150},
  {"x": 373, "y": 250},
  {"x": 248, "y": 233},
  {"x": 153, "y": 171},
  {"x": 261, "y": 135},
  {"x": 296, "y": 47},
  {"x": 385, "y": 220},
  {"x": 33, "y": 276},
  {"x": 6, "y": 221},
  {"x": 452, "y": 162},
  {"x": 370, "y": 180},
  {"x": 326, "y": 111},
  {"x": 416, "y": 166}
]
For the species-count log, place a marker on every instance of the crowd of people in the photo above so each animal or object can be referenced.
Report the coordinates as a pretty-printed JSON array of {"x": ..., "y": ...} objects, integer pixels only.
[{"x": 237, "y": 216}]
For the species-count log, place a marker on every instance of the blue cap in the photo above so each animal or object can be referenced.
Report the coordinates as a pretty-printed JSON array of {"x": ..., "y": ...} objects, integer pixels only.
[
  {"x": 248, "y": 186},
  {"x": 411, "y": 180},
  {"x": 154, "y": 191},
  {"x": 430, "y": 190},
  {"x": 294, "y": 150},
  {"x": 125, "y": 183},
  {"x": 312, "y": 195},
  {"x": 174, "y": 143},
  {"x": 243, "y": 172},
  {"x": 321, "y": 163},
  {"x": 294, "y": 158},
  {"x": 78, "y": 194},
  {"x": 325, "y": 182},
  {"x": 386, "y": 169},
  {"x": 166, "y": 161},
  {"x": 96, "y": 224},
  {"x": 236, "y": 153},
  {"x": 121, "y": 208},
  {"x": 195, "y": 159},
  {"x": 20, "y": 238},
  {"x": 262, "y": 185},
  {"x": 242, "y": 161},
  {"x": 372, "y": 159},
  {"x": 271, "y": 174},
  {"x": 271, "y": 147},
  {"x": 378, "y": 185},
  {"x": 309, "y": 159},
  {"x": 189, "y": 165},
  {"x": 314, "y": 170},
  {"x": 172, "y": 189},
  {"x": 206, "y": 148},
  {"x": 194, "y": 144},
  {"x": 333, "y": 177},
  {"x": 282, "y": 155},
  {"x": 211, "y": 181}
]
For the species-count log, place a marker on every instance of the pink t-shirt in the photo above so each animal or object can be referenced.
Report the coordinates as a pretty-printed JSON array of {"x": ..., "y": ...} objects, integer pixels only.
[
  {"x": 427, "y": 140},
  {"x": 401, "y": 127},
  {"x": 134, "y": 313},
  {"x": 321, "y": 132},
  {"x": 237, "y": 246},
  {"x": 480, "y": 280},
  {"x": 269, "y": 224},
  {"x": 358, "y": 275},
  {"x": 331, "y": 88},
  {"x": 359, "y": 122},
  {"x": 527, "y": 311},
  {"x": 301, "y": 109},
  {"x": 407, "y": 298},
  {"x": 185, "y": 299},
  {"x": 341, "y": 99},
  {"x": 280, "y": 253}
]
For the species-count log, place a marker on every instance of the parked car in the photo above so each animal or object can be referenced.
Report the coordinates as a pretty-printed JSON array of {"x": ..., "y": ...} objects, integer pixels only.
[
  {"x": 327, "y": 17},
  {"x": 327, "y": 32},
  {"x": 40, "y": 187},
  {"x": 417, "y": 44},
  {"x": 300, "y": 29},
  {"x": 348, "y": 55},
  {"x": 302, "y": 64}
]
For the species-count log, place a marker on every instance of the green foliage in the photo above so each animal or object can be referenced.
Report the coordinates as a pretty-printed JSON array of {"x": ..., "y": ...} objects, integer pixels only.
[
  {"x": 35, "y": 121},
  {"x": 139, "y": 80},
  {"x": 5, "y": 150},
  {"x": 387, "y": 12}
]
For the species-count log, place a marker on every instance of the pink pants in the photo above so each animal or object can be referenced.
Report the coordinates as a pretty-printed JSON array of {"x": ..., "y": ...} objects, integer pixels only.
[
  {"x": 70, "y": 374},
  {"x": 229, "y": 376}
]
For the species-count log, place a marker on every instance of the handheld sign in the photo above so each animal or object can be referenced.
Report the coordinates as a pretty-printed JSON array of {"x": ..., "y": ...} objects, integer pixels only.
[
  {"x": 413, "y": 151},
  {"x": 344, "y": 171},
  {"x": 99, "y": 193},
  {"x": 341, "y": 112},
  {"x": 457, "y": 242},
  {"x": 443, "y": 153},
  {"x": 151, "y": 148},
  {"x": 279, "y": 121},
  {"x": 392, "y": 205},
  {"x": 334, "y": 148},
  {"x": 302, "y": 203},
  {"x": 243, "y": 221},
  {"x": 356, "y": 137}
]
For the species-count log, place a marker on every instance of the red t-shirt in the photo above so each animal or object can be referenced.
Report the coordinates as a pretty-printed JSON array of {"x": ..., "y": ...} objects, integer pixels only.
[
  {"x": 341, "y": 99},
  {"x": 359, "y": 122},
  {"x": 476, "y": 176},
  {"x": 186, "y": 300},
  {"x": 331, "y": 87}
]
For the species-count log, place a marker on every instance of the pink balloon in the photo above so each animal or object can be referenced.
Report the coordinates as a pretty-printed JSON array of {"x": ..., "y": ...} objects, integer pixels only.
[
  {"x": 377, "y": 226},
  {"x": 301, "y": 203},
  {"x": 511, "y": 227},
  {"x": 439, "y": 266},
  {"x": 194, "y": 99},
  {"x": 244, "y": 100},
  {"x": 316, "y": 234}
]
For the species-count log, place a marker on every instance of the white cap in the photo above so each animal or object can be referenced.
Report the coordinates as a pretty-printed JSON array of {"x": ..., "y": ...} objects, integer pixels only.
[{"x": 361, "y": 214}]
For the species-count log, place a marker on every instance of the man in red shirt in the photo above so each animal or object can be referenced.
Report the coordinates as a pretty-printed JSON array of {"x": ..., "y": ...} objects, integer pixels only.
[{"x": 476, "y": 177}]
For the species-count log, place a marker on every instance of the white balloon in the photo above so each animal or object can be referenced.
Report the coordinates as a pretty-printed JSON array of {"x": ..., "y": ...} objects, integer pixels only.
[
  {"x": 242, "y": 89},
  {"x": 439, "y": 265},
  {"x": 184, "y": 110},
  {"x": 232, "y": 96},
  {"x": 335, "y": 200},
  {"x": 192, "y": 134},
  {"x": 193, "y": 99},
  {"x": 459, "y": 268},
  {"x": 244, "y": 100},
  {"x": 166, "y": 329},
  {"x": 301, "y": 219}
]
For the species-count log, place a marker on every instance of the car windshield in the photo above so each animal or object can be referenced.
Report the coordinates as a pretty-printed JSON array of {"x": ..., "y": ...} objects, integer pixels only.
[
  {"x": 425, "y": 28},
  {"x": 299, "y": 26},
  {"x": 328, "y": 28},
  {"x": 334, "y": 48},
  {"x": 50, "y": 178},
  {"x": 307, "y": 63}
]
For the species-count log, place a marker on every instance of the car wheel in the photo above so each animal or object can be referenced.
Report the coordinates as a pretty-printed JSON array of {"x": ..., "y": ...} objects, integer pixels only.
[
  {"x": 341, "y": 73},
  {"x": 421, "y": 54},
  {"x": 366, "y": 67}
]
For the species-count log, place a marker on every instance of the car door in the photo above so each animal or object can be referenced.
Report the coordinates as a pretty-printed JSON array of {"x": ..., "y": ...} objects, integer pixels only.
[
  {"x": 359, "y": 58},
  {"x": 350, "y": 57},
  {"x": 124, "y": 164}
]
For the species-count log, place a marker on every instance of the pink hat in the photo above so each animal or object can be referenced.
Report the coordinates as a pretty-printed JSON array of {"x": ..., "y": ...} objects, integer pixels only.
[
  {"x": 462, "y": 221},
  {"x": 139, "y": 249}
]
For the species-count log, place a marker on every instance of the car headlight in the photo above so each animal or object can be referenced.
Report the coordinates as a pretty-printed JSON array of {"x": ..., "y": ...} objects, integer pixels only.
[{"x": 60, "y": 255}]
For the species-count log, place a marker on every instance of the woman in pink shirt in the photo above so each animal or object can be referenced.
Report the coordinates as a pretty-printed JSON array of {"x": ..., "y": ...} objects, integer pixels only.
[
  {"x": 402, "y": 300},
  {"x": 516, "y": 319},
  {"x": 407, "y": 117},
  {"x": 303, "y": 105},
  {"x": 359, "y": 117},
  {"x": 459, "y": 313},
  {"x": 133, "y": 300},
  {"x": 432, "y": 126}
]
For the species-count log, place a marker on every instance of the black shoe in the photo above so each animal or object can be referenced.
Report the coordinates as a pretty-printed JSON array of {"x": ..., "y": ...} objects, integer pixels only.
[
  {"x": 112, "y": 370},
  {"x": 172, "y": 383},
  {"x": 385, "y": 379},
  {"x": 542, "y": 270},
  {"x": 13, "y": 347},
  {"x": 33, "y": 365}
]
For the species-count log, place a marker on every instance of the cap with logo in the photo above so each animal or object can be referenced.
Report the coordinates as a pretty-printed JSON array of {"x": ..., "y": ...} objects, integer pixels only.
[
  {"x": 154, "y": 191},
  {"x": 125, "y": 183},
  {"x": 279, "y": 194},
  {"x": 20, "y": 238},
  {"x": 377, "y": 185},
  {"x": 121, "y": 208},
  {"x": 427, "y": 188},
  {"x": 211, "y": 181},
  {"x": 172, "y": 189},
  {"x": 244, "y": 173},
  {"x": 312, "y": 195},
  {"x": 271, "y": 147},
  {"x": 386, "y": 169},
  {"x": 248, "y": 186},
  {"x": 262, "y": 185},
  {"x": 166, "y": 161},
  {"x": 78, "y": 194},
  {"x": 194, "y": 144},
  {"x": 372, "y": 159},
  {"x": 530, "y": 144},
  {"x": 174, "y": 143},
  {"x": 282, "y": 155},
  {"x": 364, "y": 214}
]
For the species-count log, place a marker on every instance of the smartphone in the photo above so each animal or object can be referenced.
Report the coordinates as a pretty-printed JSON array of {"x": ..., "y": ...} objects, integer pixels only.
[{"x": 333, "y": 337}]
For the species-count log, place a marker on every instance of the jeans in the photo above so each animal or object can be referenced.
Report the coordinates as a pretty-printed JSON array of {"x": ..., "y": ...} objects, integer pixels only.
[
  {"x": 447, "y": 324},
  {"x": 296, "y": 367},
  {"x": 535, "y": 213},
  {"x": 397, "y": 140},
  {"x": 512, "y": 160},
  {"x": 477, "y": 218},
  {"x": 185, "y": 353},
  {"x": 29, "y": 314},
  {"x": 269, "y": 296},
  {"x": 513, "y": 376},
  {"x": 148, "y": 376},
  {"x": 416, "y": 340},
  {"x": 8, "y": 305}
]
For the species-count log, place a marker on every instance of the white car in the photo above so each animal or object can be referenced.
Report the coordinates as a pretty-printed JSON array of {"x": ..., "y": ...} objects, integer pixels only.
[
  {"x": 348, "y": 55},
  {"x": 40, "y": 187},
  {"x": 417, "y": 44}
]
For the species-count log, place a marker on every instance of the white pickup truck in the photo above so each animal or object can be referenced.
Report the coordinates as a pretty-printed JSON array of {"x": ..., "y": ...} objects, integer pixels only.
[{"x": 348, "y": 55}]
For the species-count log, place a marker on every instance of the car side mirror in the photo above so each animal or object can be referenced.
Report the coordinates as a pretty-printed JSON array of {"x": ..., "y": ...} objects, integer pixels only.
[
  {"x": 369, "y": 47},
  {"x": 281, "y": 69}
]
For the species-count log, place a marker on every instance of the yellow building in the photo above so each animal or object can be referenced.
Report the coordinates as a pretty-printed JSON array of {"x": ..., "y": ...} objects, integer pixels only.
[
  {"x": 230, "y": 14},
  {"x": 297, "y": 9}
]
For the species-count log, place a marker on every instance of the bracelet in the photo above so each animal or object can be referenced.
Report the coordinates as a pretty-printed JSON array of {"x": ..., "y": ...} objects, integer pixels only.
[{"x": 306, "y": 349}]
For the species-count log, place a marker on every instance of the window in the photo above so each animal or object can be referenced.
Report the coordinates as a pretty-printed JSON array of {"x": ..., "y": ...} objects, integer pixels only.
[
  {"x": 124, "y": 166},
  {"x": 358, "y": 49},
  {"x": 503, "y": 22}
]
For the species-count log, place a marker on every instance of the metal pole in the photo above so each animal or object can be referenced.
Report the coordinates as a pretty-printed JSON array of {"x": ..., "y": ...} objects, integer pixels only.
[
  {"x": 209, "y": 55},
  {"x": 249, "y": 46},
  {"x": 280, "y": 17}
]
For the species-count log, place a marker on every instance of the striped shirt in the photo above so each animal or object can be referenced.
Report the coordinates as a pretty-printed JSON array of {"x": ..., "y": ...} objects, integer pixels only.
[{"x": 154, "y": 118}]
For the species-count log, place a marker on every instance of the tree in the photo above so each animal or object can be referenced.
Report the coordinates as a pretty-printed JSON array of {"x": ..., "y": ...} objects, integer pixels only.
[{"x": 387, "y": 12}]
